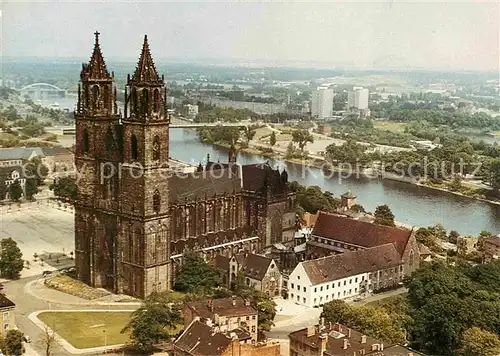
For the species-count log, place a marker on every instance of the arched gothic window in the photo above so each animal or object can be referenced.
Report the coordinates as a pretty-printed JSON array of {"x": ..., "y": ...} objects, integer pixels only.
[
  {"x": 95, "y": 96},
  {"x": 106, "y": 97},
  {"x": 109, "y": 140},
  {"x": 133, "y": 147},
  {"x": 156, "y": 101},
  {"x": 86, "y": 145},
  {"x": 133, "y": 101},
  {"x": 156, "y": 202},
  {"x": 156, "y": 148},
  {"x": 145, "y": 102}
]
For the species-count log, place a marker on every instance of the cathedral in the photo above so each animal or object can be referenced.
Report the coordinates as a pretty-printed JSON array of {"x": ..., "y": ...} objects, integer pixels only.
[{"x": 137, "y": 211}]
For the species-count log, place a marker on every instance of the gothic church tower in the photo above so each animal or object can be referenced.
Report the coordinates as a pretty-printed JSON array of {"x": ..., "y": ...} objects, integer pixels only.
[
  {"x": 144, "y": 177},
  {"x": 97, "y": 154}
]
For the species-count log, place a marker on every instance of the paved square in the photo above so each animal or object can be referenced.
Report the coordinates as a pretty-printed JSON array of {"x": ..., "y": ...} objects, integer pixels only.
[{"x": 42, "y": 230}]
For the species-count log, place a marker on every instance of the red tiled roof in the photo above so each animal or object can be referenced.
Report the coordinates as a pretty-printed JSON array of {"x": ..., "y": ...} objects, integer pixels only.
[
  {"x": 200, "y": 339},
  {"x": 493, "y": 240},
  {"x": 253, "y": 265},
  {"x": 360, "y": 233},
  {"x": 223, "y": 307},
  {"x": 351, "y": 263}
]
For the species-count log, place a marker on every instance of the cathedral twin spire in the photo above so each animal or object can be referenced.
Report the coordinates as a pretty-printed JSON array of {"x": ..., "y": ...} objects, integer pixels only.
[
  {"x": 145, "y": 72},
  {"x": 96, "y": 68}
]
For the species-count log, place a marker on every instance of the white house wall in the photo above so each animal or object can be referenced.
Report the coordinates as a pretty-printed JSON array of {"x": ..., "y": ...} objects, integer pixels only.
[{"x": 315, "y": 295}]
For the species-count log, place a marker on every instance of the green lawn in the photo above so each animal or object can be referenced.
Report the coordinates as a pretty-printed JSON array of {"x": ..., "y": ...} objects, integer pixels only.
[
  {"x": 390, "y": 126},
  {"x": 88, "y": 329}
]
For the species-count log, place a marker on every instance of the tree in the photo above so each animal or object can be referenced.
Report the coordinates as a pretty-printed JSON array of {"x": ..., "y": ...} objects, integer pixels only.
[
  {"x": 453, "y": 236},
  {"x": 15, "y": 190},
  {"x": 249, "y": 134},
  {"x": 31, "y": 188},
  {"x": 196, "y": 276},
  {"x": 384, "y": 216},
  {"x": 272, "y": 139},
  {"x": 302, "y": 137},
  {"x": 153, "y": 321},
  {"x": 11, "y": 259},
  {"x": 477, "y": 342},
  {"x": 48, "y": 340},
  {"x": 35, "y": 169},
  {"x": 495, "y": 174},
  {"x": 358, "y": 208},
  {"x": 455, "y": 184},
  {"x": 265, "y": 306},
  {"x": 3, "y": 191},
  {"x": 375, "y": 322},
  {"x": 13, "y": 343},
  {"x": 64, "y": 187}
]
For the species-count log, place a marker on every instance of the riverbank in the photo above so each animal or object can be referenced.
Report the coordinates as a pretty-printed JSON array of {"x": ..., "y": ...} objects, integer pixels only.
[
  {"x": 326, "y": 168},
  {"x": 442, "y": 189}
]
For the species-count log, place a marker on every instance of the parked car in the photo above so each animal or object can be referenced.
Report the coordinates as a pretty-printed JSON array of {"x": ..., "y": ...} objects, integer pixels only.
[{"x": 46, "y": 273}]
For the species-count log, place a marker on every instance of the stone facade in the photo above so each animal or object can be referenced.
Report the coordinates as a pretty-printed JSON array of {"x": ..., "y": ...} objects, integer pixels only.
[
  {"x": 259, "y": 272},
  {"x": 136, "y": 213}
]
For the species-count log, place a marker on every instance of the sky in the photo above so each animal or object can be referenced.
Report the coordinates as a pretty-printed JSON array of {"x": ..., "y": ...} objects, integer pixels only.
[{"x": 383, "y": 35}]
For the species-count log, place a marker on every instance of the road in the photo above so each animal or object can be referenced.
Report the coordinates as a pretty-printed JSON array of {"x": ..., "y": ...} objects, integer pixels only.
[{"x": 26, "y": 304}]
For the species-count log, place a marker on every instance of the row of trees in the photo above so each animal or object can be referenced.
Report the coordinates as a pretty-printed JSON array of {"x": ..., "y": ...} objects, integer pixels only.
[{"x": 160, "y": 314}]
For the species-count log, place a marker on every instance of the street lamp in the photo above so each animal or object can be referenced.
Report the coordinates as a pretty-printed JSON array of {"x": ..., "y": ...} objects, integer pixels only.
[{"x": 105, "y": 338}]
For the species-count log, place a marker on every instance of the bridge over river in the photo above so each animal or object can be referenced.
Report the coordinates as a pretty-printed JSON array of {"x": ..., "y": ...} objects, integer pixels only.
[{"x": 175, "y": 124}]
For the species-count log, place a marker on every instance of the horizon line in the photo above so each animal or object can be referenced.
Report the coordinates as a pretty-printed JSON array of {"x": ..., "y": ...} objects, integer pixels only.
[{"x": 258, "y": 63}]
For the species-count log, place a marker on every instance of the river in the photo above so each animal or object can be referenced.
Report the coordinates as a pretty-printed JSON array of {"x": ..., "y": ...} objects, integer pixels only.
[{"x": 412, "y": 205}]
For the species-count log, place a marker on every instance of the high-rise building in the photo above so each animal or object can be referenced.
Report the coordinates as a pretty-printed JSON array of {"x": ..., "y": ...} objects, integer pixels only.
[
  {"x": 358, "y": 98},
  {"x": 322, "y": 103}
]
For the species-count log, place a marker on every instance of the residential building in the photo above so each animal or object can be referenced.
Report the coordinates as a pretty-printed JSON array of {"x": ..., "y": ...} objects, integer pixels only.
[
  {"x": 7, "y": 310},
  {"x": 333, "y": 234},
  {"x": 200, "y": 339},
  {"x": 191, "y": 110},
  {"x": 467, "y": 244},
  {"x": 491, "y": 248},
  {"x": 347, "y": 200},
  {"x": 339, "y": 340},
  {"x": 223, "y": 315},
  {"x": 357, "y": 98},
  {"x": 259, "y": 272},
  {"x": 316, "y": 282},
  {"x": 322, "y": 103}
]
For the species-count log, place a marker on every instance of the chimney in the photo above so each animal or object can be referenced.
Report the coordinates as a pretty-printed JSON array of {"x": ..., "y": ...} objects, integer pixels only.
[
  {"x": 346, "y": 344},
  {"x": 322, "y": 322},
  {"x": 348, "y": 332},
  {"x": 234, "y": 302},
  {"x": 363, "y": 339},
  {"x": 311, "y": 330},
  {"x": 210, "y": 305},
  {"x": 381, "y": 347},
  {"x": 247, "y": 303}
]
